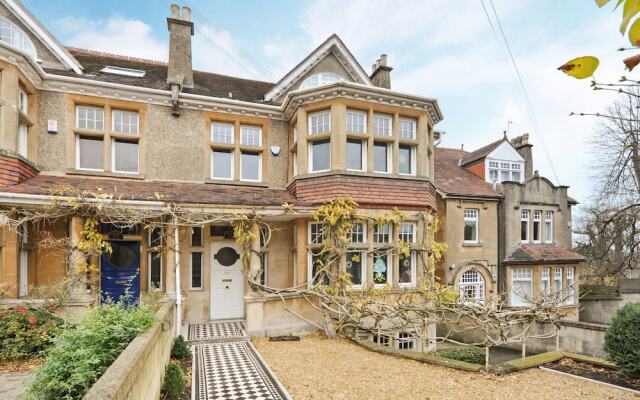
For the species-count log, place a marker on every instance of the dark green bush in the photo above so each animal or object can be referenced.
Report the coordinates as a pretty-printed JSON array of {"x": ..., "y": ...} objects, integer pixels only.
[
  {"x": 173, "y": 380},
  {"x": 469, "y": 354},
  {"x": 82, "y": 355},
  {"x": 622, "y": 341},
  {"x": 27, "y": 331},
  {"x": 180, "y": 348}
]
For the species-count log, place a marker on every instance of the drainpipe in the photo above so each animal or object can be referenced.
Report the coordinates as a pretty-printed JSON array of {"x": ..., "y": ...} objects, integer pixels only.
[
  {"x": 499, "y": 284},
  {"x": 176, "y": 244}
]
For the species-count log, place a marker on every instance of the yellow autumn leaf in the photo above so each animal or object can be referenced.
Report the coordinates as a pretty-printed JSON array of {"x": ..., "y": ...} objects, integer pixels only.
[
  {"x": 634, "y": 33},
  {"x": 602, "y": 3},
  {"x": 581, "y": 67},
  {"x": 630, "y": 9}
]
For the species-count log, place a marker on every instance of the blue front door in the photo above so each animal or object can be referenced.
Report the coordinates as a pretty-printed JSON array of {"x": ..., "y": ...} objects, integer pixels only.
[{"x": 120, "y": 271}]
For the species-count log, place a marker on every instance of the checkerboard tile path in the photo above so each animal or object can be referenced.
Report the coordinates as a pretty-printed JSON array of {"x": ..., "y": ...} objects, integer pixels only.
[
  {"x": 217, "y": 330},
  {"x": 233, "y": 370}
]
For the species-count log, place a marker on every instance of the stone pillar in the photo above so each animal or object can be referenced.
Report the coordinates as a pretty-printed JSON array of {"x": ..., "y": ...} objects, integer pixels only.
[
  {"x": 9, "y": 273},
  {"x": 170, "y": 265},
  {"x": 81, "y": 299},
  {"x": 338, "y": 136}
]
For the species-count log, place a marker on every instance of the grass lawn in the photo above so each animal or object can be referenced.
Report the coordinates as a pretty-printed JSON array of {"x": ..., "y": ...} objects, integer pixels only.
[{"x": 319, "y": 368}]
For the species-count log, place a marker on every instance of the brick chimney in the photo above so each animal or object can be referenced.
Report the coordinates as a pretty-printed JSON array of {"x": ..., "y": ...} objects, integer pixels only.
[
  {"x": 180, "y": 71},
  {"x": 522, "y": 145},
  {"x": 381, "y": 73}
]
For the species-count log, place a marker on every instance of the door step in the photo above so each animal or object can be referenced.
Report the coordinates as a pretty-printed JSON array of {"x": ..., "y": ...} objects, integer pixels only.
[{"x": 217, "y": 332}]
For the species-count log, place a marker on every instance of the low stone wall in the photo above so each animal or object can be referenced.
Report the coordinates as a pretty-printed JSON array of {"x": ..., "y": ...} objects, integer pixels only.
[
  {"x": 599, "y": 304},
  {"x": 267, "y": 315},
  {"x": 138, "y": 372}
]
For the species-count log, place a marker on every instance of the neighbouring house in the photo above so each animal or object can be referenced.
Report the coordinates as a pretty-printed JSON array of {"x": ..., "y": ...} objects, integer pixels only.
[
  {"x": 508, "y": 230},
  {"x": 152, "y": 133}
]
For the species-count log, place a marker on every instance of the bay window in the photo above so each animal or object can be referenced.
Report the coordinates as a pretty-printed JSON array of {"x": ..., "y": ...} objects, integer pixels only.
[
  {"x": 557, "y": 282},
  {"x": 250, "y": 166},
  {"x": 320, "y": 123},
  {"x": 124, "y": 156},
  {"x": 406, "y": 159},
  {"x": 356, "y": 155},
  {"x": 537, "y": 222},
  {"x": 407, "y": 232},
  {"x": 407, "y": 128},
  {"x": 381, "y": 157},
  {"x": 222, "y": 164},
  {"x": 571, "y": 282},
  {"x": 545, "y": 281},
  {"x": 319, "y": 155},
  {"x": 356, "y": 122},
  {"x": 471, "y": 225},
  {"x": 521, "y": 286}
]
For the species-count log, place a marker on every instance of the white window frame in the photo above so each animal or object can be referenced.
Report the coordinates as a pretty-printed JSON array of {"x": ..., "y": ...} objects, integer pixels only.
[
  {"x": 388, "y": 234},
  {"x": 230, "y": 178},
  {"x": 23, "y": 101},
  {"x": 201, "y": 237},
  {"x": 101, "y": 109},
  {"x": 18, "y": 39},
  {"x": 403, "y": 232},
  {"x": 363, "y": 225},
  {"x": 317, "y": 127},
  {"x": 113, "y": 157},
  {"x": 244, "y": 129},
  {"x": 363, "y": 156},
  {"x": 363, "y": 267},
  {"x": 389, "y": 259},
  {"x": 408, "y": 342},
  {"x": 557, "y": 278},
  {"x": 537, "y": 217},
  {"x": 78, "y": 167},
  {"x": 356, "y": 114},
  {"x": 219, "y": 135},
  {"x": 478, "y": 283},
  {"x": 149, "y": 239},
  {"x": 23, "y": 140},
  {"x": 128, "y": 112},
  {"x": 571, "y": 285},
  {"x": 548, "y": 227},
  {"x": 412, "y": 258},
  {"x": 295, "y": 163},
  {"x": 526, "y": 219},
  {"x": 310, "y": 153},
  {"x": 389, "y": 147},
  {"x": 402, "y": 133},
  {"x": 379, "y": 130},
  {"x": 259, "y": 154},
  {"x": 412, "y": 154},
  {"x": 471, "y": 215},
  {"x": 23, "y": 289},
  {"x": 191, "y": 287},
  {"x": 545, "y": 277},
  {"x": 500, "y": 166},
  {"x": 295, "y": 134},
  {"x": 323, "y": 78},
  {"x": 310, "y": 233},
  {"x": 150, "y": 255},
  {"x": 310, "y": 256},
  {"x": 517, "y": 278}
]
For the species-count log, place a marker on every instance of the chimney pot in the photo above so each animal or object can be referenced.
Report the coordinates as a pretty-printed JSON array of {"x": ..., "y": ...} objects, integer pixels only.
[
  {"x": 175, "y": 11},
  {"x": 381, "y": 75},
  {"x": 186, "y": 14},
  {"x": 383, "y": 59}
]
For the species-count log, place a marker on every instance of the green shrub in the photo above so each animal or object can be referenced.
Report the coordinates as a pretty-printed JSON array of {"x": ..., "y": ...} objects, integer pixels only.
[
  {"x": 27, "y": 331},
  {"x": 469, "y": 354},
  {"x": 82, "y": 355},
  {"x": 180, "y": 348},
  {"x": 173, "y": 380},
  {"x": 623, "y": 337}
]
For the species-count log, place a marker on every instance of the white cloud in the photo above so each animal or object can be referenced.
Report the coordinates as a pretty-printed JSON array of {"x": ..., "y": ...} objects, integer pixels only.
[{"x": 130, "y": 37}]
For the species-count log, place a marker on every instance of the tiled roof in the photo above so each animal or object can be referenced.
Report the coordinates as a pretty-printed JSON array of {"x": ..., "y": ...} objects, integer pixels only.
[
  {"x": 542, "y": 253},
  {"x": 482, "y": 152},
  {"x": 129, "y": 189},
  {"x": 206, "y": 84},
  {"x": 451, "y": 178}
]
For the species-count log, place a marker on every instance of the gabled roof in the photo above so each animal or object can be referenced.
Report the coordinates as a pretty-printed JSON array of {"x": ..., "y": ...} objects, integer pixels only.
[
  {"x": 542, "y": 253},
  {"x": 171, "y": 192},
  {"x": 45, "y": 37},
  {"x": 206, "y": 84},
  {"x": 333, "y": 42},
  {"x": 482, "y": 152},
  {"x": 452, "y": 179}
]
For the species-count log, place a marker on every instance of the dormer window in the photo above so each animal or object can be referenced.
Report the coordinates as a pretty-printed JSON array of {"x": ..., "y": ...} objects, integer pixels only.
[
  {"x": 14, "y": 37},
  {"x": 319, "y": 80},
  {"x": 500, "y": 171}
]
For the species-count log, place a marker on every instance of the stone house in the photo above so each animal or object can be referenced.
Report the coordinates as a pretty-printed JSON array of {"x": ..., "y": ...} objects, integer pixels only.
[
  {"x": 152, "y": 133},
  {"x": 508, "y": 229}
]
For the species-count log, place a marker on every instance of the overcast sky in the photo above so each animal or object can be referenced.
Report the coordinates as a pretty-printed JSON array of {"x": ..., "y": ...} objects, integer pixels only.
[{"x": 444, "y": 49}]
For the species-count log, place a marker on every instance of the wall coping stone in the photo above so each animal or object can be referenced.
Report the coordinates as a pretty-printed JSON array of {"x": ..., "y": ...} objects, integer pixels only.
[{"x": 585, "y": 325}]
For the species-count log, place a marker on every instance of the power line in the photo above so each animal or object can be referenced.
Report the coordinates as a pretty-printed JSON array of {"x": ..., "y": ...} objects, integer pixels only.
[{"x": 528, "y": 104}]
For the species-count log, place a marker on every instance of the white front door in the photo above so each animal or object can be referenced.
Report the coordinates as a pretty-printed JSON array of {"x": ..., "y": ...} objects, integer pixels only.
[{"x": 227, "y": 281}]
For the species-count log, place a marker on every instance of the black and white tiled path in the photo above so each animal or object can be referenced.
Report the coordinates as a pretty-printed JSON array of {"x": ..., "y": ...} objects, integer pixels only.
[{"x": 230, "y": 369}]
